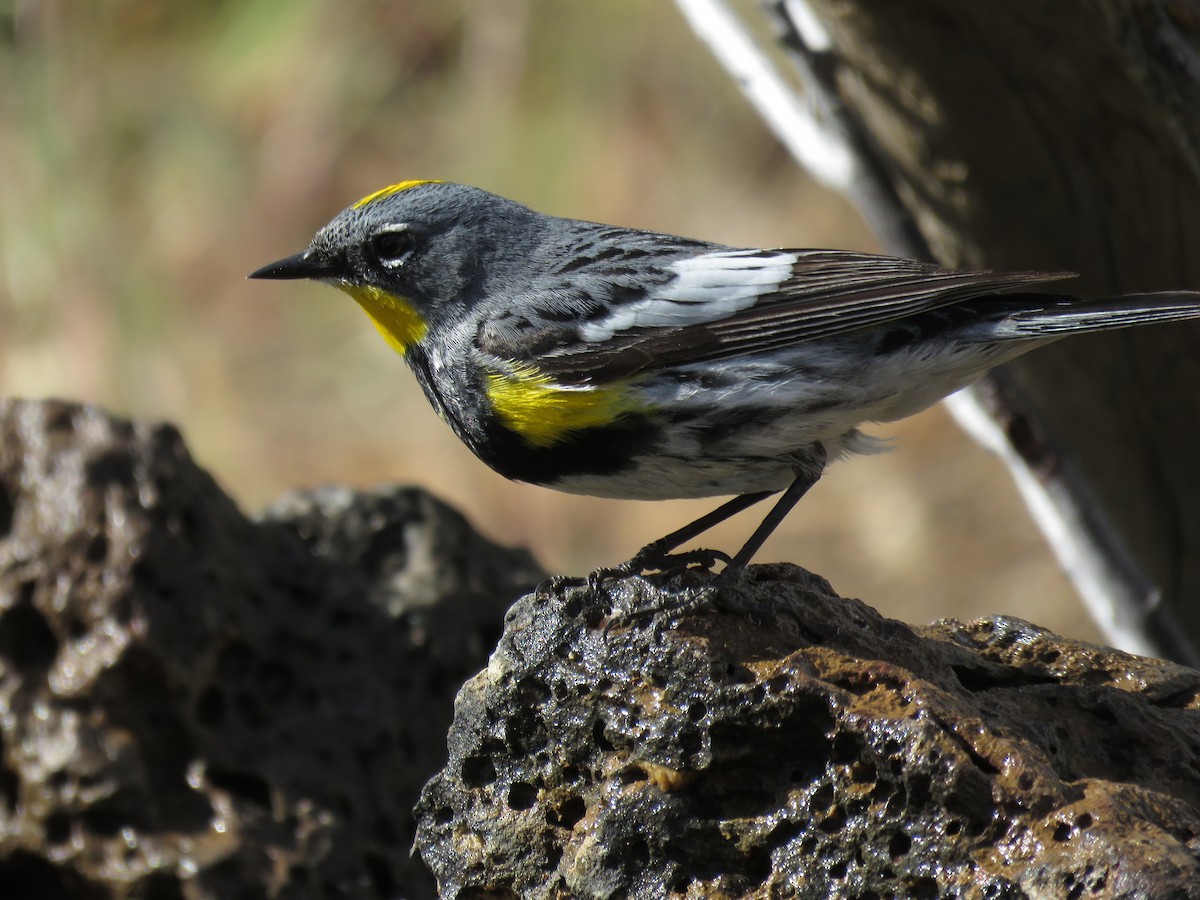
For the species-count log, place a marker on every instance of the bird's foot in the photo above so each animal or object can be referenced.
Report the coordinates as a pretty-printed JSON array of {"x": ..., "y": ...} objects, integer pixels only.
[{"x": 652, "y": 558}]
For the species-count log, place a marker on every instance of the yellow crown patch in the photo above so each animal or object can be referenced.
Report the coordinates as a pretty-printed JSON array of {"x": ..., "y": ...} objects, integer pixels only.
[{"x": 393, "y": 189}]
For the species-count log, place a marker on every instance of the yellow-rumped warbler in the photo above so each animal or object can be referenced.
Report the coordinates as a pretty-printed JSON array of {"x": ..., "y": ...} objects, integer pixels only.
[{"x": 623, "y": 363}]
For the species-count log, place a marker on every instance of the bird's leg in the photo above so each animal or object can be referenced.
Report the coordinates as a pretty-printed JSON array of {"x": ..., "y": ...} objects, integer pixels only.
[
  {"x": 657, "y": 554},
  {"x": 796, "y": 490}
]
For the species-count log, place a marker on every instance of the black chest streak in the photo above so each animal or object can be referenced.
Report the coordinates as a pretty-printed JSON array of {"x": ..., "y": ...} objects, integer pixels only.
[{"x": 603, "y": 450}]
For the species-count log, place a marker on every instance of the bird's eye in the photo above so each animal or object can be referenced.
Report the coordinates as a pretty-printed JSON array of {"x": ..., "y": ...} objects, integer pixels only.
[{"x": 391, "y": 248}]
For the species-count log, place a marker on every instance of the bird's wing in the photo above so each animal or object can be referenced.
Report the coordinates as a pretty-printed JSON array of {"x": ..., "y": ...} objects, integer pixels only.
[{"x": 618, "y": 317}]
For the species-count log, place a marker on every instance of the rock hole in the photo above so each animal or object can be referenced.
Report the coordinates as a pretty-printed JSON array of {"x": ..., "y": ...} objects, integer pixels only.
[
  {"x": 690, "y": 743},
  {"x": 737, "y": 674},
  {"x": 533, "y": 691},
  {"x": 567, "y": 813},
  {"x": 778, "y": 684},
  {"x": 845, "y": 748},
  {"x": 112, "y": 467},
  {"x": 864, "y": 772},
  {"x": 834, "y": 822},
  {"x": 77, "y": 629},
  {"x": 478, "y": 771},
  {"x": 27, "y": 642},
  {"x": 822, "y": 798},
  {"x": 632, "y": 774},
  {"x": 522, "y": 796},
  {"x": 602, "y": 742},
  {"x": 249, "y": 786},
  {"x": 97, "y": 549},
  {"x": 919, "y": 790},
  {"x": 58, "y": 828},
  {"x": 638, "y": 852}
]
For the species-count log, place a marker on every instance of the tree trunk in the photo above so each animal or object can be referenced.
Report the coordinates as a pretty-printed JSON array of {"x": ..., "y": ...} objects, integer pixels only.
[{"x": 1056, "y": 136}]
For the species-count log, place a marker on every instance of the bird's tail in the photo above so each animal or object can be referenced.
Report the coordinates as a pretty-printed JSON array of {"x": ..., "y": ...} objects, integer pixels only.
[{"x": 1057, "y": 319}]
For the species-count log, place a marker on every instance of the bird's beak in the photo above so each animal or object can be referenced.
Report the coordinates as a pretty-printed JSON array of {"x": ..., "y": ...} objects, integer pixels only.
[{"x": 303, "y": 265}]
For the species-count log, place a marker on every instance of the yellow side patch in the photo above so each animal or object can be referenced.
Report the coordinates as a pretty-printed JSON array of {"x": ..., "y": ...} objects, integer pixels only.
[
  {"x": 543, "y": 412},
  {"x": 396, "y": 318},
  {"x": 393, "y": 189}
]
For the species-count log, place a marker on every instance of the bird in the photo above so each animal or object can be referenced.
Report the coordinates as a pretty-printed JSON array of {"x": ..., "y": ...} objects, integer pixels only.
[{"x": 623, "y": 363}]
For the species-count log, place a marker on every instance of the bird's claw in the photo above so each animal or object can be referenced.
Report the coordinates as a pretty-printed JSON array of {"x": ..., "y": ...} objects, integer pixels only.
[{"x": 652, "y": 559}]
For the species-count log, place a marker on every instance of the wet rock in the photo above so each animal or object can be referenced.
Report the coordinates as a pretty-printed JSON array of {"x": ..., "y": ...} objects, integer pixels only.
[
  {"x": 671, "y": 737},
  {"x": 194, "y": 704}
]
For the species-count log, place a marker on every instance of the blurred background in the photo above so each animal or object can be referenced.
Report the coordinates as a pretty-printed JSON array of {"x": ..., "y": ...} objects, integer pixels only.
[{"x": 153, "y": 152}]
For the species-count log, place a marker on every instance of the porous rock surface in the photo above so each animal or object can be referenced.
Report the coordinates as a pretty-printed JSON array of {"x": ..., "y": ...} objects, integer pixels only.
[
  {"x": 674, "y": 737},
  {"x": 194, "y": 704}
]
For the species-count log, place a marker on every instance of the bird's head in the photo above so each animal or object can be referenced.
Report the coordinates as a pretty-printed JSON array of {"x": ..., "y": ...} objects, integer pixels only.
[{"x": 413, "y": 253}]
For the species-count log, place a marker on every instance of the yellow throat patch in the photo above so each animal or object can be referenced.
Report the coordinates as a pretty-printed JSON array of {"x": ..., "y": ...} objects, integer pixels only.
[
  {"x": 393, "y": 189},
  {"x": 542, "y": 412},
  {"x": 395, "y": 317}
]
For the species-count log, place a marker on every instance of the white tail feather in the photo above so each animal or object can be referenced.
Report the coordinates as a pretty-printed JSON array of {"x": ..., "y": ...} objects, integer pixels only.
[{"x": 1103, "y": 315}]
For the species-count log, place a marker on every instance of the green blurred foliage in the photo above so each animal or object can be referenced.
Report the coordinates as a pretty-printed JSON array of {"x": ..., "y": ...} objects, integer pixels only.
[{"x": 153, "y": 152}]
